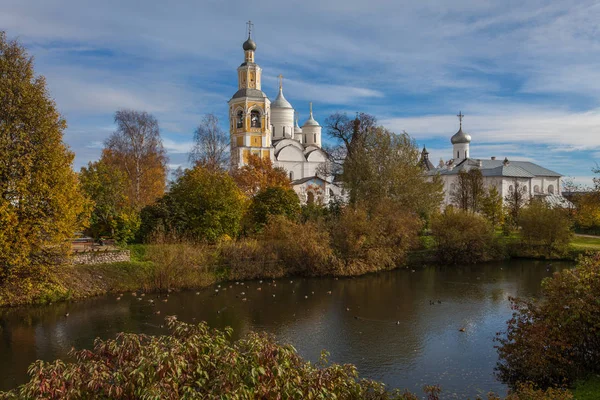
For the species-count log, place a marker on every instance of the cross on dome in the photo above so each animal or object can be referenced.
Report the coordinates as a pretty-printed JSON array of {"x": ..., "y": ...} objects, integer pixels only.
[
  {"x": 460, "y": 116},
  {"x": 280, "y": 81},
  {"x": 249, "y": 24}
]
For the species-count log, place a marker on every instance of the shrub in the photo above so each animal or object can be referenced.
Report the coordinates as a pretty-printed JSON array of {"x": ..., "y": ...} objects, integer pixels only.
[
  {"x": 463, "y": 237},
  {"x": 545, "y": 230},
  {"x": 557, "y": 340},
  {"x": 272, "y": 201},
  {"x": 302, "y": 248},
  {"x": 179, "y": 264},
  {"x": 194, "y": 361},
  {"x": 365, "y": 241}
]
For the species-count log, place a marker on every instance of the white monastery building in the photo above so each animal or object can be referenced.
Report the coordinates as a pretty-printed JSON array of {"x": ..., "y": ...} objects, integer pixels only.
[
  {"x": 270, "y": 130},
  {"x": 503, "y": 174}
]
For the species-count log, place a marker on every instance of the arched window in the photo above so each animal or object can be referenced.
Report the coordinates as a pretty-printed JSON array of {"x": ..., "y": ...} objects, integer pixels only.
[
  {"x": 458, "y": 154},
  {"x": 511, "y": 188},
  {"x": 240, "y": 119},
  {"x": 255, "y": 119},
  {"x": 310, "y": 198},
  {"x": 291, "y": 175},
  {"x": 536, "y": 189},
  {"x": 551, "y": 189}
]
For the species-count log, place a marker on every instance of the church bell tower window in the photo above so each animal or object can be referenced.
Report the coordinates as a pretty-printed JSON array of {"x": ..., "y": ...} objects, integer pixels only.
[
  {"x": 255, "y": 119},
  {"x": 240, "y": 119}
]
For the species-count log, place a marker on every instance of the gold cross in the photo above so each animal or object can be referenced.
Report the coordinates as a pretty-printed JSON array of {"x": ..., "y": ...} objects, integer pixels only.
[
  {"x": 250, "y": 25},
  {"x": 280, "y": 81}
]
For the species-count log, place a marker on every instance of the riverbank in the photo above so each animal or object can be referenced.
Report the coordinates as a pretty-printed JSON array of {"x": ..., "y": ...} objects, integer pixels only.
[
  {"x": 156, "y": 268},
  {"x": 312, "y": 314}
]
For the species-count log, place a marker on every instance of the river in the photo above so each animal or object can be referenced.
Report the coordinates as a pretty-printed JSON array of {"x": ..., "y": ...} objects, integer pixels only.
[{"x": 383, "y": 323}]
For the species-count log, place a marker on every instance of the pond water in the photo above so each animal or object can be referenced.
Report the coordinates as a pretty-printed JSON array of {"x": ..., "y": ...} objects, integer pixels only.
[{"x": 383, "y": 323}]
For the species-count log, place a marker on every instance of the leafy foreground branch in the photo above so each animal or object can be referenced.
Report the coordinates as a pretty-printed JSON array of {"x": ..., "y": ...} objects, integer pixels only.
[{"x": 194, "y": 361}]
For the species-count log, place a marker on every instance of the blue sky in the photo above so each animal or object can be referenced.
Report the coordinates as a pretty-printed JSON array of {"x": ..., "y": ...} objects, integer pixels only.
[{"x": 525, "y": 73}]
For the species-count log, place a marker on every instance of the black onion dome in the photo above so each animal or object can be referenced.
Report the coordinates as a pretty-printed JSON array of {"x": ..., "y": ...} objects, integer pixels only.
[{"x": 249, "y": 45}]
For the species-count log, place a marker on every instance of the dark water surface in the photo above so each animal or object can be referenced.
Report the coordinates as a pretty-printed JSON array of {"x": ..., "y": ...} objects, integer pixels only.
[{"x": 398, "y": 337}]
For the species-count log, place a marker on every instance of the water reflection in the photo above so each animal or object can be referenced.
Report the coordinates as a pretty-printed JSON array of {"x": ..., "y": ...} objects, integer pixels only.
[{"x": 400, "y": 327}]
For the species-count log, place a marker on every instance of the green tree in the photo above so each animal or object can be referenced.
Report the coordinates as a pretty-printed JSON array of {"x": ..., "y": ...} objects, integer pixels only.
[
  {"x": 41, "y": 205},
  {"x": 111, "y": 215},
  {"x": 273, "y": 201},
  {"x": 491, "y": 206},
  {"x": 545, "y": 229},
  {"x": 386, "y": 167},
  {"x": 209, "y": 202}
]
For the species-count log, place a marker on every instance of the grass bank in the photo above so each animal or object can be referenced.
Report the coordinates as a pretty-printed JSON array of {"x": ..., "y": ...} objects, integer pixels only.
[{"x": 184, "y": 266}]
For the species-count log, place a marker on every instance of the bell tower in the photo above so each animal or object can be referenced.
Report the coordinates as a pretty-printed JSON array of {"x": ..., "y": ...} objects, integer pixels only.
[{"x": 249, "y": 111}]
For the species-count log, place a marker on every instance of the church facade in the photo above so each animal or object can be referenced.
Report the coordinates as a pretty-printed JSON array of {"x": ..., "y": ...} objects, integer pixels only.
[
  {"x": 270, "y": 130},
  {"x": 504, "y": 174}
]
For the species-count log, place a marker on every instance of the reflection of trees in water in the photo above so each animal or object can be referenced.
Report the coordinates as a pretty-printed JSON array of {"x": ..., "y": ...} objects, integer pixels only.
[{"x": 311, "y": 324}]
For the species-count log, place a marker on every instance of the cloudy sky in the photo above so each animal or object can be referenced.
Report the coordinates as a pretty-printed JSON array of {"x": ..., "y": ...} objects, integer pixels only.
[{"x": 525, "y": 73}]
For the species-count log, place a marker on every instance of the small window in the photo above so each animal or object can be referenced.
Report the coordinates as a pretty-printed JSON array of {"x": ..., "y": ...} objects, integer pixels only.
[
  {"x": 511, "y": 188},
  {"x": 458, "y": 154},
  {"x": 315, "y": 138},
  {"x": 240, "y": 119},
  {"x": 304, "y": 138},
  {"x": 536, "y": 189},
  {"x": 551, "y": 189},
  {"x": 291, "y": 175},
  {"x": 255, "y": 119}
]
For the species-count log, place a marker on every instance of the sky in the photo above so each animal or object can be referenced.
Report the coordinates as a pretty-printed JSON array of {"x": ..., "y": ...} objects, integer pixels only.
[{"x": 526, "y": 73}]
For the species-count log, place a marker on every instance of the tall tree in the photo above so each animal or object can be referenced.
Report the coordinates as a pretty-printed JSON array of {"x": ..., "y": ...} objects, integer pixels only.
[
  {"x": 41, "y": 205},
  {"x": 386, "y": 167},
  {"x": 259, "y": 174},
  {"x": 469, "y": 190},
  {"x": 491, "y": 206},
  {"x": 348, "y": 134},
  {"x": 207, "y": 203},
  {"x": 136, "y": 149},
  {"x": 211, "y": 144},
  {"x": 111, "y": 216},
  {"x": 515, "y": 200}
]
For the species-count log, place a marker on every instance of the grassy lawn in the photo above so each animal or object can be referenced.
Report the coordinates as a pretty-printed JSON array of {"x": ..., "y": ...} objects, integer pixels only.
[
  {"x": 586, "y": 243},
  {"x": 587, "y": 390}
]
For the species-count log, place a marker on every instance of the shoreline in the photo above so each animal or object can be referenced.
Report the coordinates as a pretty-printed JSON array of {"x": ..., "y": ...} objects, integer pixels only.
[{"x": 79, "y": 282}]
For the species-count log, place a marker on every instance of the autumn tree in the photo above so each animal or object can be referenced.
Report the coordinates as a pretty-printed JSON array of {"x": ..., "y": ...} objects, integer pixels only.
[
  {"x": 211, "y": 144},
  {"x": 469, "y": 190},
  {"x": 491, "y": 206},
  {"x": 41, "y": 205},
  {"x": 111, "y": 215},
  {"x": 259, "y": 174},
  {"x": 515, "y": 200},
  {"x": 545, "y": 229},
  {"x": 386, "y": 167},
  {"x": 136, "y": 149}
]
